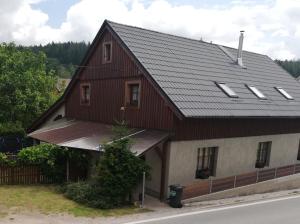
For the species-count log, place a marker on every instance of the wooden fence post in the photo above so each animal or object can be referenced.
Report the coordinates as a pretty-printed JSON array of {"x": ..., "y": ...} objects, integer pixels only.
[{"x": 210, "y": 186}]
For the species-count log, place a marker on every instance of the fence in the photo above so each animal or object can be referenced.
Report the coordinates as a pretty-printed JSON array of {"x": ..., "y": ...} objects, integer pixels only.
[
  {"x": 22, "y": 175},
  {"x": 210, "y": 186}
]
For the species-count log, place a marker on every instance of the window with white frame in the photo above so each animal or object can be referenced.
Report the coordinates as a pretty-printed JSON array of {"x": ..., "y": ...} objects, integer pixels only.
[
  {"x": 284, "y": 93},
  {"x": 227, "y": 90},
  {"x": 257, "y": 92}
]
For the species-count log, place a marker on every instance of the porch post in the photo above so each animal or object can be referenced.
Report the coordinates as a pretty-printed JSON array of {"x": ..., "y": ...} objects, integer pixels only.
[
  {"x": 163, "y": 171},
  {"x": 67, "y": 170}
]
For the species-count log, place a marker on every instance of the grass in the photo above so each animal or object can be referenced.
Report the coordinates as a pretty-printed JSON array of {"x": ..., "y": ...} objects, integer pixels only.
[{"x": 47, "y": 200}]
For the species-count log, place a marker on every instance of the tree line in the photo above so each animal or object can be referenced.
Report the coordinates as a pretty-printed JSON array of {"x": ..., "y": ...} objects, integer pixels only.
[
  {"x": 291, "y": 66},
  {"x": 62, "y": 58}
]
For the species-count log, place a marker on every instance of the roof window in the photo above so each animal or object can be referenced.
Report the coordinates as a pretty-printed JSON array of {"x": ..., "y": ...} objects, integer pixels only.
[
  {"x": 257, "y": 92},
  {"x": 284, "y": 93},
  {"x": 227, "y": 90}
]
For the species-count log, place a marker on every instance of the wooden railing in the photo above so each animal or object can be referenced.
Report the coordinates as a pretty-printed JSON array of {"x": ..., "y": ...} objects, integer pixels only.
[{"x": 215, "y": 185}]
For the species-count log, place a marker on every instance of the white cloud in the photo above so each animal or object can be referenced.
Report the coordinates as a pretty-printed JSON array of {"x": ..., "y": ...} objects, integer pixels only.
[{"x": 272, "y": 27}]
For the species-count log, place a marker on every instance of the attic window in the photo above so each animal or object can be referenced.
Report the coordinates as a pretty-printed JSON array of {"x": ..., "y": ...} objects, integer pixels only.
[
  {"x": 284, "y": 93},
  {"x": 257, "y": 92},
  {"x": 227, "y": 90},
  {"x": 107, "y": 52}
]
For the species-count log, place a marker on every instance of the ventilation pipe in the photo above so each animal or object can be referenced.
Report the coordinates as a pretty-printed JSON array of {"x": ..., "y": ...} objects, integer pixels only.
[{"x": 239, "y": 59}]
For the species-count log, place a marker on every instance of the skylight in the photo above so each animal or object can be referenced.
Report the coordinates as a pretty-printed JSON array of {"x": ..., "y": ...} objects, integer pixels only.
[
  {"x": 284, "y": 93},
  {"x": 257, "y": 93},
  {"x": 229, "y": 92}
]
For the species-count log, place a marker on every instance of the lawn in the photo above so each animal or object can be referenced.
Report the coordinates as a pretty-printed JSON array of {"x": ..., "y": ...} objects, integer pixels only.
[{"x": 47, "y": 200}]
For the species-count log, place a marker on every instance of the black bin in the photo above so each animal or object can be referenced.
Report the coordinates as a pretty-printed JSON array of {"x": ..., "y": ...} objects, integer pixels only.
[{"x": 175, "y": 196}]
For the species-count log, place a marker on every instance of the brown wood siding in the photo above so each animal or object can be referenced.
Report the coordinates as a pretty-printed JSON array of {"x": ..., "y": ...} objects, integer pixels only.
[
  {"x": 108, "y": 92},
  {"x": 191, "y": 129}
]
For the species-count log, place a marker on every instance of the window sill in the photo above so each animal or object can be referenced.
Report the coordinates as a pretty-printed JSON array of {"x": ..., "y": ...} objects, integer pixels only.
[{"x": 260, "y": 165}]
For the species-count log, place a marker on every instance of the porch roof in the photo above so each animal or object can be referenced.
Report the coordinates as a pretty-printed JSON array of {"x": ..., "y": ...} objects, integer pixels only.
[{"x": 91, "y": 135}]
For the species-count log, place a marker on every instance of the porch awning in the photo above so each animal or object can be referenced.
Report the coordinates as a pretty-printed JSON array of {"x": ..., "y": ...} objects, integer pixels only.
[{"x": 91, "y": 135}]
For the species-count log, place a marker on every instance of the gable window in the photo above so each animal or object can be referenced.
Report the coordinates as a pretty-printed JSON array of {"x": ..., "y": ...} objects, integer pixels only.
[
  {"x": 227, "y": 90},
  {"x": 284, "y": 93},
  {"x": 132, "y": 93},
  {"x": 206, "y": 162},
  {"x": 257, "y": 92},
  {"x": 263, "y": 154},
  {"x": 107, "y": 52},
  {"x": 85, "y": 94}
]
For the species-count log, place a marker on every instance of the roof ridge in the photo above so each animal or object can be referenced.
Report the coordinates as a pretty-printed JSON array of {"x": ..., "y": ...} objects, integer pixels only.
[{"x": 178, "y": 36}]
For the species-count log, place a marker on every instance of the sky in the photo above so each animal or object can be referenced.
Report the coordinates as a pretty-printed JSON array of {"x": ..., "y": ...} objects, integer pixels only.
[{"x": 271, "y": 27}]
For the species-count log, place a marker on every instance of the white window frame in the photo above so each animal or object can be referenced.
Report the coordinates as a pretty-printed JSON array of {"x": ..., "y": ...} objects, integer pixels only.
[
  {"x": 257, "y": 92},
  {"x": 227, "y": 90},
  {"x": 284, "y": 93}
]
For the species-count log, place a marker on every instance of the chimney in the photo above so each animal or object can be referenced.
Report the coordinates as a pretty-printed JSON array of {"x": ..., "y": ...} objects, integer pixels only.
[{"x": 239, "y": 59}]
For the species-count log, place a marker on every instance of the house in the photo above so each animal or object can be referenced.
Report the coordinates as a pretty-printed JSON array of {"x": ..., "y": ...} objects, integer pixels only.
[{"x": 198, "y": 110}]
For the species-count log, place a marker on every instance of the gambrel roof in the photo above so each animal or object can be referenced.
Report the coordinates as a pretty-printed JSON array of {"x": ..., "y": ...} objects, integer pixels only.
[{"x": 186, "y": 71}]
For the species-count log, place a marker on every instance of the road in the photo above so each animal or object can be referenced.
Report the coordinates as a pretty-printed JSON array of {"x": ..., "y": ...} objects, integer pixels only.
[{"x": 275, "y": 211}]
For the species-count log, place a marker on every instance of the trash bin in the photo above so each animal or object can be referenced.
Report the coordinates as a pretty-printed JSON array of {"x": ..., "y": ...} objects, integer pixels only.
[{"x": 175, "y": 196}]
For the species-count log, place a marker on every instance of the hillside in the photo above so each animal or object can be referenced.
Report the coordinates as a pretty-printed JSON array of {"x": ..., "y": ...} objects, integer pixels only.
[{"x": 62, "y": 57}]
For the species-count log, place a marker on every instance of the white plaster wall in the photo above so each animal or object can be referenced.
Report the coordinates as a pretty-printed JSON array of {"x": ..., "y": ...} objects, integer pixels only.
[
  {"x": 235, "y": 155},
  {"x": 50, "y": 121},
  {"x": 154, "y": 161}
]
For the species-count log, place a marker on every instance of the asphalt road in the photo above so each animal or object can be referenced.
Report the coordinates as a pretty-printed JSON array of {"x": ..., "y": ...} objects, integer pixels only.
[{"x": 276, "y": 211}]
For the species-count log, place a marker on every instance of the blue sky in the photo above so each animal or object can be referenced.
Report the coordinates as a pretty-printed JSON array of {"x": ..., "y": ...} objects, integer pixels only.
[
  {"x": 272, "y": 27},
  {"x": 56, "y": 9}
]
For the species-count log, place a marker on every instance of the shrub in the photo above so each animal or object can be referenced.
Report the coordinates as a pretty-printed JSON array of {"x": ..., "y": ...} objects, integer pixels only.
[
  {"x": 6, "y": 161},
  {"x": 51, "y": 158},
  {"x": 90, "y": 194},
  {"x": 120, "y": 168}
]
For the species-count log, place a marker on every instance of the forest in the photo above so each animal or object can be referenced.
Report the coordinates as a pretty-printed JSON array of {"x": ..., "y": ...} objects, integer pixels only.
[{"x": 63, "y": 58}]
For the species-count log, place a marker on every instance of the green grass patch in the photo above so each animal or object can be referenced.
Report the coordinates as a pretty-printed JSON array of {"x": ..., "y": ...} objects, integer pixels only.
[{"x": 47, "y": 200}]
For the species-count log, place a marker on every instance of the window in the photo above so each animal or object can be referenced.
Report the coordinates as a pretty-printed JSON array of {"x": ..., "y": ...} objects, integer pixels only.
[
  {"x": 284, "y": 93},
  {"x": 227, "y": 90},
  {"x": 132, "y": 94},
  {"x": 257, "y": 93},
  {"x": 85, "y": 94},
  {"x": 107, "y": 52},
  {"x": 263, "y": 154},
  {"x": 206, "y": 162}
]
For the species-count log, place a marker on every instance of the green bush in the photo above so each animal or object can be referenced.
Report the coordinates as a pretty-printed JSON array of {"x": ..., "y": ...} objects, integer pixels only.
[
  {"x": 5, "y": 161},
  {"x": 51, "y": 158},
  {"x": 11, "y": 129}
]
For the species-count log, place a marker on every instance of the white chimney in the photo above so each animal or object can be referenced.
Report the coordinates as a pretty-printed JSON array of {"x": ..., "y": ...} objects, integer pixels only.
[{"x": 239, "y": 59}]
